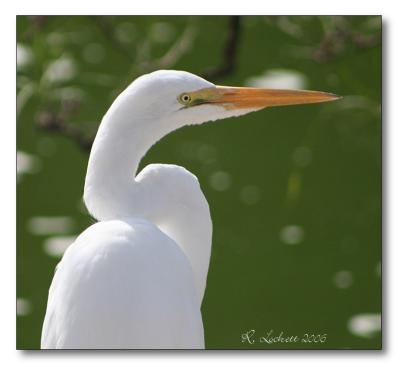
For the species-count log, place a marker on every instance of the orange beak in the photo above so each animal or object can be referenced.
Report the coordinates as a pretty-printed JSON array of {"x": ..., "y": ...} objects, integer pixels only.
[{"x": 257, "y": 98}]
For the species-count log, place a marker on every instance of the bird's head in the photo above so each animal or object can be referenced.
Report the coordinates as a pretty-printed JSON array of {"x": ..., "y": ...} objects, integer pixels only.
[{"x": 178, "y": 98}]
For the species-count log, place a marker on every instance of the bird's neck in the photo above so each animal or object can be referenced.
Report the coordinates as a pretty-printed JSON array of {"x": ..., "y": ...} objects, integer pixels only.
[
  {"x": 111, "y": 172},
  {"x": 119, "y": 146},
  {"x": 114, "y": 191}
]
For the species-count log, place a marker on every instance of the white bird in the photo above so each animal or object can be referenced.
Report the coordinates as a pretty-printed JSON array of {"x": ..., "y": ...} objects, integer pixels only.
[{"x": 136, "y": 278}]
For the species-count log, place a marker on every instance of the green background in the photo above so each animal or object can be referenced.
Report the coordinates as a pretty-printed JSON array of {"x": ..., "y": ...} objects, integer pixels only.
[{"x": 294, "y": 192}]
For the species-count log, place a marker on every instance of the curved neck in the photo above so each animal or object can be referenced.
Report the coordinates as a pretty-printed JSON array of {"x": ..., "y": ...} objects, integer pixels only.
[
  {"x": 117, "y": 150},
  {"x": 112, "y": 192},
  {"x": 113, "y": 164}
]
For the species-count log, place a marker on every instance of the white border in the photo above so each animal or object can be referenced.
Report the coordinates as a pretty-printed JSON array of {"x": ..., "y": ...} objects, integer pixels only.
[{"x": 391, "y": 187}]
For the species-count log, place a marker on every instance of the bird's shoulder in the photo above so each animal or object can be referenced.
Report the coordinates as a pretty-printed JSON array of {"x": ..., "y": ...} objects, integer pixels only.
[
  {"x": 176, "y": 181},
  {"x": 167, "y": 172},
  {"x": 111, "y": 240}
]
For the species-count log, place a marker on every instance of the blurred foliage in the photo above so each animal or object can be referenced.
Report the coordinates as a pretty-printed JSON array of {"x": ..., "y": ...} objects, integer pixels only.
[{"x": 295, "y": 192}]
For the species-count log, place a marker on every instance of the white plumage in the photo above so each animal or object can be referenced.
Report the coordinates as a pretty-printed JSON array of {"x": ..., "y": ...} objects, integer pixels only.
[{"x": 123, "y": 284}]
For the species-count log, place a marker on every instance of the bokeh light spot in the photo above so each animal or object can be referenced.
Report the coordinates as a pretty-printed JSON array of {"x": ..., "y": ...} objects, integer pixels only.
[
  {"x": 220, "y": 181},
  {"x": 343, "y": 279},
  {"x": 57, "y": 245},
  {"x": 250, "y": 195},
  {"x": 292, "y": 234},
  {"x": 365, "y": 325},
  {"x": 24, "y": 307}
]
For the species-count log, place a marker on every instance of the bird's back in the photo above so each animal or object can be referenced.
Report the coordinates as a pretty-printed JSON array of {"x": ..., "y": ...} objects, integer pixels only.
[{"x": 123, "y": 284}]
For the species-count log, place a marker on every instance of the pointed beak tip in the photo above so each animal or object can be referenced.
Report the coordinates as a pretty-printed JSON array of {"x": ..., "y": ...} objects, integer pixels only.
[{"x": 333, "y": 96}]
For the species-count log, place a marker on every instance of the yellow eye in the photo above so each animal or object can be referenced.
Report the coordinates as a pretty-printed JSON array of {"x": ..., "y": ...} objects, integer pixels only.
[{"x": 185, "y": 98}]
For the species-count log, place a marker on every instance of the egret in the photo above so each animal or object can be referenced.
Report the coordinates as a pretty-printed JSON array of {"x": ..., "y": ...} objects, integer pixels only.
[{"x": 136, "y": 278}]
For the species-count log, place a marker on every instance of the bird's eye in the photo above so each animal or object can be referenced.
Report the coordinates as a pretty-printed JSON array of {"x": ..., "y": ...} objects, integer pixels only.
[{"x": 185, "y": 99}]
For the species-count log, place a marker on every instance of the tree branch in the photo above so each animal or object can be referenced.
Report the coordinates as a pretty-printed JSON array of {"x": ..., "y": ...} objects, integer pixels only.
[
  {"x": 229, "y": 53},
  {"x": 105, "y": 27},
  {"x": 174, "y": 53},
  {"x": 334, "y": 42},
  {"x": 57, "y": 123}
]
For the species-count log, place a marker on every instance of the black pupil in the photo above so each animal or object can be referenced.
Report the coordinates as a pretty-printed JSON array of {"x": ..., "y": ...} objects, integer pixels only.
[{"x": 186, "y": 98}]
